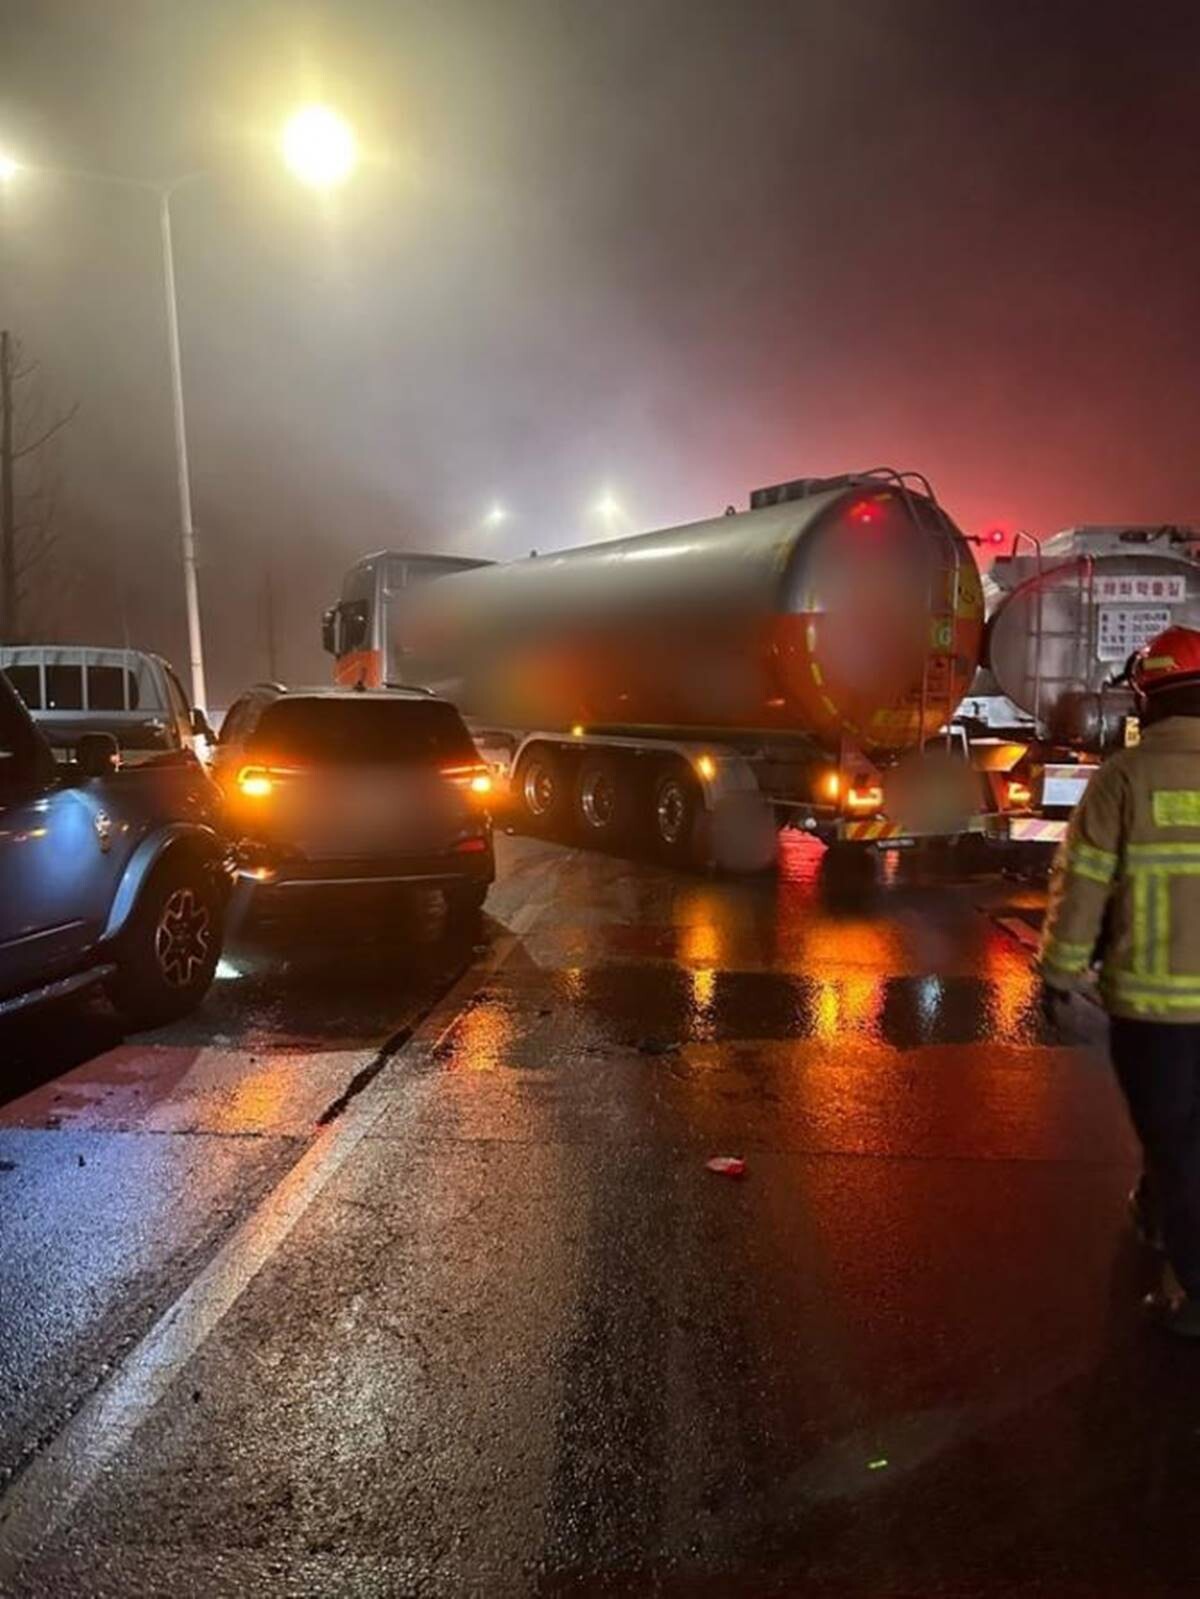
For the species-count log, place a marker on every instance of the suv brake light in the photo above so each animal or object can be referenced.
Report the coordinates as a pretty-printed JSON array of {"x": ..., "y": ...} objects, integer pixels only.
[{"x": 475, "y": 778}]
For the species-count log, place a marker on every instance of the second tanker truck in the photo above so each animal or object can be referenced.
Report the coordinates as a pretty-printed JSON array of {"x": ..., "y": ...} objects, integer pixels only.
[
  {"x": 1064, "y": 616},
  {"x": 696, "y": 687}
]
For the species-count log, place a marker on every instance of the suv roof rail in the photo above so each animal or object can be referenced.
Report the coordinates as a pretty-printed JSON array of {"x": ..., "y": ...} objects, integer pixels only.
[{"x": 414, "y": 688}]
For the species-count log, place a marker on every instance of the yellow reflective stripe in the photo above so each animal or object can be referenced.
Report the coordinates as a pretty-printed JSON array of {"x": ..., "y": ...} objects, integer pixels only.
[
  {"x": 1085, "y": 860},
  {"x": 1094, "y": 874},
  {"x": 1068, "y": 957},
  {"x": 1144, "y": 1000},
  {"x": 1176, "y": 807},
  {"x": 1141, "y": 921},
  {"x": 1159, "y": 962},
  {"x": 1161, "y": 854},
  {"x": 1166, "y": 981},
  {"x": 1160, "y": 1004}
]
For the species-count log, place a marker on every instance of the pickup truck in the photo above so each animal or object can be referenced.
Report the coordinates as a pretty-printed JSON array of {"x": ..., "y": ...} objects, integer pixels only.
[
  {"x": 72, "y": 689},
  {"x": 112, "y": 874}
]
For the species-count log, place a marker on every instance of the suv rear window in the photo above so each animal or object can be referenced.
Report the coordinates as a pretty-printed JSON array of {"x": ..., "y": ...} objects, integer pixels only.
[{"x": 361, "y": 732}]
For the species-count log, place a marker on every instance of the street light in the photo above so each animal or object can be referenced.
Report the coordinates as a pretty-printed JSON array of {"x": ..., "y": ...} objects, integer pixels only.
[{"x": 319, "y": 148}]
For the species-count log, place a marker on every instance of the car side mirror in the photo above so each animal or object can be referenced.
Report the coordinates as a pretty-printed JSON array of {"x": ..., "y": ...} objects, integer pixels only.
[
  {"x": 97, "y": 755},
  {"x": 329, "y": 630},
  {"x": 202, "y": 727}
]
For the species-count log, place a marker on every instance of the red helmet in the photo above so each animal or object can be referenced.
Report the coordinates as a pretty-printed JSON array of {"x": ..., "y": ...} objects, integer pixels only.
[{"x": 1168, "y": 661}]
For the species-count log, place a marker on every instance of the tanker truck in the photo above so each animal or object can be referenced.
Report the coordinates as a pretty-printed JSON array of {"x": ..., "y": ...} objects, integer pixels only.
[
  {"x": 1064, "y": 616},
  {"x": 694, "y": 688}
]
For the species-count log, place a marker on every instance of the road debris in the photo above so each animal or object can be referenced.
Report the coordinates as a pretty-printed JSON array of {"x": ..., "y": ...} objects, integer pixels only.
[{"x": 727, "y": 1165}]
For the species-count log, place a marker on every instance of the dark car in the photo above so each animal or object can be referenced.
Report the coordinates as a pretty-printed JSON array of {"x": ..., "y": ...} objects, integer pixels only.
[
  {"x": 356, "y": 791},
  {"x": 109, "y": 874}
]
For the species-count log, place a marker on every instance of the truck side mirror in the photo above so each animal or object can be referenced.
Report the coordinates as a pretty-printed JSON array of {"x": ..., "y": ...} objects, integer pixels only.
[
  {"x": 97, "y": 755},
  {"x": 329, "y": 630}
]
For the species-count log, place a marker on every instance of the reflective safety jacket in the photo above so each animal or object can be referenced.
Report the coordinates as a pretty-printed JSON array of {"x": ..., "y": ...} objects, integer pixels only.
[{"x": 1125, "y": 893}]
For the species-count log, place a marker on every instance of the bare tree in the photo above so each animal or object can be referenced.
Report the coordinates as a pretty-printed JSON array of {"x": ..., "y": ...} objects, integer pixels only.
[{"x": 29, "y": 482}]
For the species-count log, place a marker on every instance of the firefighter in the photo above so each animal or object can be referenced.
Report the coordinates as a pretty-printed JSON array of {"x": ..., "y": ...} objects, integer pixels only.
[{"x": 1125, "y": 897}]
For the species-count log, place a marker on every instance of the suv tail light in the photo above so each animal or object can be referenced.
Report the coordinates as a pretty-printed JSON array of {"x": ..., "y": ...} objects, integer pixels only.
[
  {"x": 474, "y": 777},
  {"x": 255, "y": 782}
]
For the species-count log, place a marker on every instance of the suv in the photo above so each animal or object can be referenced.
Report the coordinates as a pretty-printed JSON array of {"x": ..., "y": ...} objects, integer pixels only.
[
  {"x": 358, "y": 790},
  {"x": 110, "y": 875}
]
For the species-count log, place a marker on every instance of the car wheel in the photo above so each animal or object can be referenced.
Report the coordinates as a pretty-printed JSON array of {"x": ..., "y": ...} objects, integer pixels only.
[{"x": 169, "y": 951}]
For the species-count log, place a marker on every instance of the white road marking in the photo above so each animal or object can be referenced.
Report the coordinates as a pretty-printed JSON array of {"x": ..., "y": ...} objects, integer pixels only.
[{"x": 45, "y": 1493}]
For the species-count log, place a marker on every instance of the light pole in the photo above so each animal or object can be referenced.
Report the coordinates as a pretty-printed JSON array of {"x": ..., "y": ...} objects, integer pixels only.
[
  {"x": 319, "y": 148},
  {"x": 187, "y": 532}
]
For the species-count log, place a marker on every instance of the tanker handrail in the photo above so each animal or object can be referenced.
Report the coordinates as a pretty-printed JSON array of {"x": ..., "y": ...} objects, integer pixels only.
[
  {"x": 1036, "y": 545},
  {"x": 900, "y": 479}
]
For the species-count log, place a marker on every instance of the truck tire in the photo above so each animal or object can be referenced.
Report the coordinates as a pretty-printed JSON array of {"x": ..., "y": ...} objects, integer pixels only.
[
  {"x": 168, "y": 953},
  {"x": 603, "y": 795},
  {"x": 674, "y": 810},
  {"x": 541, "y": 789}
]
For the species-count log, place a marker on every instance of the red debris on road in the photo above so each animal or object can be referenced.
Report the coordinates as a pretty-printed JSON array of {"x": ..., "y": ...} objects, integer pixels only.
[{"x": 727, "y": 1165}]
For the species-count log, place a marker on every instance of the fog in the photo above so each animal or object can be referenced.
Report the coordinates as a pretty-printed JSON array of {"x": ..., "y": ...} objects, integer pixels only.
[{"x": 665, "y": 250}]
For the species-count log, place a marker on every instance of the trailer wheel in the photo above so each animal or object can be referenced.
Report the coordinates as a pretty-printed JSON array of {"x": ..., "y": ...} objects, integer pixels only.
[
  {"x": 541, "y": 786},
  {"x": 603, "y": 799},
  {"x": 674, "y": 806}
]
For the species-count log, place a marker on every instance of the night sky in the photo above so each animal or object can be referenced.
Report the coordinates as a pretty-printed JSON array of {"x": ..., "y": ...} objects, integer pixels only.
[{"x": 666, "y": 249}]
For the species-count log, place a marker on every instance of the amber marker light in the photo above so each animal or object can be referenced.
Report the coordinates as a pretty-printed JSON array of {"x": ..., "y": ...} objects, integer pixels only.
[
  {"x": 707, "y": 767},
  {"x": 867, "y": 798},
  {"x": 254, "y": 782},
  {"x": 1020, "y": 795},
  {"x": 481, "y": 784}
]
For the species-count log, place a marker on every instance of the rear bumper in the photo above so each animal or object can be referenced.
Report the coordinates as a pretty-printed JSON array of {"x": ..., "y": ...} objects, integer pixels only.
[{"x": 266, "y": 869}]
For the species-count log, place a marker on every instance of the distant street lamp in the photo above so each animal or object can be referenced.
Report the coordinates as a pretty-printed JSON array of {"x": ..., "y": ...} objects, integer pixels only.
[
  {"x": 319, "y": 147},
  {"x": 320, "y": 150}
]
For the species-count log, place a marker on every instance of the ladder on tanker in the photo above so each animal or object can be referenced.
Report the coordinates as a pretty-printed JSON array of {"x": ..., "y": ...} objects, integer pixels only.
[{"x": 944, "y": 597}]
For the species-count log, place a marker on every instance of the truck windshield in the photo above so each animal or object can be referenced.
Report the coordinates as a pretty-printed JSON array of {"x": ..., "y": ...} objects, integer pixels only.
[{"x": 344, "y": 732}]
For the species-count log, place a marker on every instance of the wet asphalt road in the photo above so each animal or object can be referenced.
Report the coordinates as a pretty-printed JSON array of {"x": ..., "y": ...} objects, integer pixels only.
[{"x": 333, "y": 1308}]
